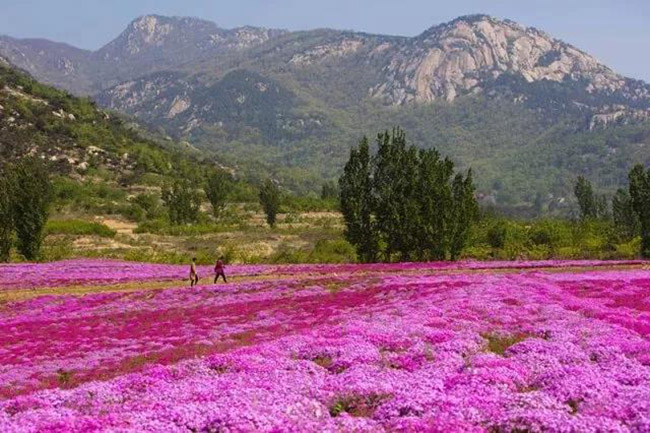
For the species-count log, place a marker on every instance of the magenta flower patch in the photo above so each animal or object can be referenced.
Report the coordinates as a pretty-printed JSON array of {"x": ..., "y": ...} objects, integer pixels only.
[{"x": 501, "y": 346}]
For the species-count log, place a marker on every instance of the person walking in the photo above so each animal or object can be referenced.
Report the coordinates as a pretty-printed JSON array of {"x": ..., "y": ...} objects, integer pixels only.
[
  {"x": 219, "y": 271},
  {"x": 194, "y": 277}
]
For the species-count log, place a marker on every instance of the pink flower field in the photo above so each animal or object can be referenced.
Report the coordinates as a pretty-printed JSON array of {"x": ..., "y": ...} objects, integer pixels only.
[{"x": 437, "y": 347}]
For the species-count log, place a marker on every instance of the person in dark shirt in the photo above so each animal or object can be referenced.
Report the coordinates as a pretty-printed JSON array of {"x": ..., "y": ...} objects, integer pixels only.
[
  {"x": 194, "y": 277},
  {"x": 219, "y": 271}
]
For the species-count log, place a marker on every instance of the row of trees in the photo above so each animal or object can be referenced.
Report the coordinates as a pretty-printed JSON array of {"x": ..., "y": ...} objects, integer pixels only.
[
  {"x": 183, "y": 198},
  {"x": 630, "y": 208},
  {"x": 403, "y": 203},
  {"x": 25, "y": 198}
]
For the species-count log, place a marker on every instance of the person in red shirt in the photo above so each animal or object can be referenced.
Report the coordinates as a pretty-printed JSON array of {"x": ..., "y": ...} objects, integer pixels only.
[{"x": 219, "y": 271}]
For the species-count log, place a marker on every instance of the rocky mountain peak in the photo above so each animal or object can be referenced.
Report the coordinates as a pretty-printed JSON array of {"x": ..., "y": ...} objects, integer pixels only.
[
  {"x": 150, "y": 29},
  {"x": 461, "y": 56},
  {"x": 173, "y": 40},
  {"x": 158, "y": 32}
]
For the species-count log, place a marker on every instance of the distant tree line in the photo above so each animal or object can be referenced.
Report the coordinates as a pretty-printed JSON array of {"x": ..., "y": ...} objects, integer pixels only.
[
  {"x": 182, "y": 196},
  {"x": 630, "y": 208},
  {"x": 25, "y": 198},
  {"x": 405, "y": 203}
]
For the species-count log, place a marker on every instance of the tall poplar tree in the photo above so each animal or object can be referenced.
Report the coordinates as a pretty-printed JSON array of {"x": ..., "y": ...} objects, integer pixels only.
[
  {"x": 32, "y": 195},
  {"x": 270, "y": 200},
  {"x": 586, "y": 199},
  {"x": 625, "y": 219},
  {"x": 356, "y": 194},
  {"x": 217, "y": 189},
  {"x": 464, "y": 212},
  {"x": 395, "y": 187},
  {"x": 640, "y": 193},
  {"x": 435, "y": 202},
  {"x": 6, "y": 213}
]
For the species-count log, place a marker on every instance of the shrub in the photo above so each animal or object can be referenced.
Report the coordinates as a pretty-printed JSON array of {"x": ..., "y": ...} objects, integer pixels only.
[
  {"x": 332, "y": 251},
  {"x": 496, "y": 235},
  {"x": 541, "y": 236},
  {"x": 60, "y": 249},
  {"x": 478, "y": 252},
  {"x": 629, "y": 250},
  {"x": 539, "y": 252},
  {"x": 143, "y": 207},
  {"x": 173, "y": 257},
  {"x": 78, "y": 227},
  {"x": 287, "y": 254},
  {"x": 134, "y": 212},
  {"x": 309, "y": 203}
]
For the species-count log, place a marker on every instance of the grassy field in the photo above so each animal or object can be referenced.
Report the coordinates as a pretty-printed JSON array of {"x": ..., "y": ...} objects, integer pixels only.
[
  {"x": 311, "y": 237},
  {"x": 242, "y": 236}
]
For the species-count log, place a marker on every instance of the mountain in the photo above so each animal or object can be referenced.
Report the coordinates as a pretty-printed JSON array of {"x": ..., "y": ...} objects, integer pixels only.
[
  {"x": 528, "y": 112},
  {"x": 54, "y": 63},
  {"x": 149, "y": 44},
  {"x": 468, "y": 54},
  {"x": 95, "y": 156}
]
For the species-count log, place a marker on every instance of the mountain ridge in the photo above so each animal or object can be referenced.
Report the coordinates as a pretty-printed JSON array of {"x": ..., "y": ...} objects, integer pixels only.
[
  {"x": 152, "y": 29},
  {"x": 192, "y": 38},
  {"x": 289, "y": 104}
]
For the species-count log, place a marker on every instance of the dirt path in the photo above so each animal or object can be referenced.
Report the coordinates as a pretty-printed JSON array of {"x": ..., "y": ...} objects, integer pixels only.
[{"x": 121, "y": 227}]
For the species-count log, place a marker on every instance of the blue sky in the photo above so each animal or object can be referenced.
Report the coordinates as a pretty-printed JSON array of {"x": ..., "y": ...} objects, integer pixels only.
[{"x": 616, "y": 32}]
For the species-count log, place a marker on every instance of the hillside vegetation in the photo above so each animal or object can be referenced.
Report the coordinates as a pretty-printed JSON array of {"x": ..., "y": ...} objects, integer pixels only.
[{"x": 108, "y": 180}]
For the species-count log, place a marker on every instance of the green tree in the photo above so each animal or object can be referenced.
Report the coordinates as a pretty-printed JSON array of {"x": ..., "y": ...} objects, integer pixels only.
[
  {"x": 270, "y": 200},
  {"x": 395, "y": 189},
  {"x": 435, "y": 203},
  {"x": 355, "y": 187},
  {"x": 602, "y": 207},
  {"x": 6, "y": 214},
  {"x": 625, "y": 219},
  {"x": 403, "y": 203},
  {"x": 497, "y": 234},
  {"x": 183, "y": 202},
  {"x": 329, "y": 191},
  {"x": 586, "y": 199},
  {"x": 32, "y": 196},
  {"x": 150, "y": 205},
  {"x": 217, "y": 189},
  {"x": 464, "y": 212},
  {"x": 640, "y": 194}
]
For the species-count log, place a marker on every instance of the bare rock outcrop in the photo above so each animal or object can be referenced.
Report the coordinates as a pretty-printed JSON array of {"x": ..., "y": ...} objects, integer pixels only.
[{"x": 462, "y": 56}]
